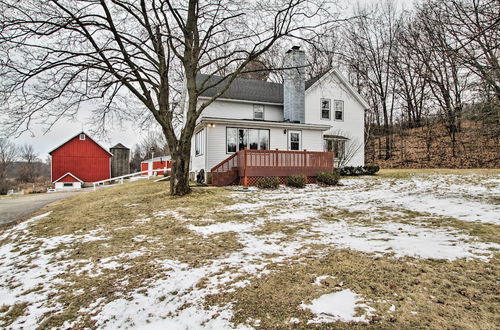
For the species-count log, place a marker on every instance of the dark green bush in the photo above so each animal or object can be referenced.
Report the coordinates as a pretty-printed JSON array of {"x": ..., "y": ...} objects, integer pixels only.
[
  {"x": 296, "y": 181},
  {"x": 328, "y": 178},
  {"x": 358, "y": 170},
  {"x": 268, "y": 182},
  {"x": 371, "y": 169}
]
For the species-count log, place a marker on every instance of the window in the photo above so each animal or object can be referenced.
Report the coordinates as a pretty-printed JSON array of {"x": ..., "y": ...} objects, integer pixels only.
[
  {"x": 339, "y": 110},
  {"x": 67, "y": 184},
  {"x": 252, "y": 138},
  {"x": 82, "y": 137},
  {"x": 258, "y": 111},
  {"x": 337, "y": 145},
  {"x": 325, "y": 108},
  {"x": 199, "y": 143},
  {"x": 294, "y": 140},
  {"x": 338, "y": 149}
]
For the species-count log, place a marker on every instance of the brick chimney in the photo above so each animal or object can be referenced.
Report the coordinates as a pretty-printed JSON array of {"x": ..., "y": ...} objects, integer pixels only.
[{"x": 294, "y": 85}]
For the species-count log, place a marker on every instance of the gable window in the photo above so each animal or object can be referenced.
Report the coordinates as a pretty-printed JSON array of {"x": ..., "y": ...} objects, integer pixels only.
[
  {"x": 252, "y": 138},
  {"x": 339, "y": 110},
  {"x": 325, "y": 108},
  {"x": 82, "y": 137},
  {"x": 199, "y": 143},
  {"x": 67, "y": 184},
  {"x": 258, "y": 112}
]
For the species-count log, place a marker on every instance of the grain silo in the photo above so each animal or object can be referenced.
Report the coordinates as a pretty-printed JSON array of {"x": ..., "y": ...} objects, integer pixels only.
[{"x": 120, "y": 162}]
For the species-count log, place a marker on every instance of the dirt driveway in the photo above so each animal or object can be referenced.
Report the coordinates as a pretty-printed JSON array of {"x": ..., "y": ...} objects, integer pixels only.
[{"x": 15, "y": 208}]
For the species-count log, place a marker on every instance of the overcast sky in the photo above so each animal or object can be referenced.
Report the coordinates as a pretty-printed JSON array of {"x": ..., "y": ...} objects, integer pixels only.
[
  {"x": 65, "y": 129},
  {"x": 129, "y": 135}
]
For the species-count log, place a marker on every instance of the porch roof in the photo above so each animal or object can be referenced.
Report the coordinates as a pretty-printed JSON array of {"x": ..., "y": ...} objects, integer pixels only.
[{"x": 261, "y": 123}]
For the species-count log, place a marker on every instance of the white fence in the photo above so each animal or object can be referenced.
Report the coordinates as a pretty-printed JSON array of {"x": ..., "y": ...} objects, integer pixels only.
[{"x": 121, "y": 178}]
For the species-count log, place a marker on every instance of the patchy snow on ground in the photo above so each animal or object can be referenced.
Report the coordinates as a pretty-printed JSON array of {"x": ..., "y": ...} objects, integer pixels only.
[
  {"x": 365, "y": 214},
  {"x": 338, "y": 306},
  {"x": 403, "y": 240}
]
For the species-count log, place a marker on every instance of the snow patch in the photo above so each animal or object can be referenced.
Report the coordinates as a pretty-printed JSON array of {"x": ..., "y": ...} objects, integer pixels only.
[{"x": 338, "y": 306}]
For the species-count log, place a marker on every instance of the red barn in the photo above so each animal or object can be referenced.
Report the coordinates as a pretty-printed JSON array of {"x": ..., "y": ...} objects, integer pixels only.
[
  {"x": 79, "y": 160},
  {"x": 157, "y": 165}
]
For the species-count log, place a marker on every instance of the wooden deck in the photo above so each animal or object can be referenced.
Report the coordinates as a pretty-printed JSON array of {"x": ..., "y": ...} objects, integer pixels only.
[{"x": 246, "y": 166}]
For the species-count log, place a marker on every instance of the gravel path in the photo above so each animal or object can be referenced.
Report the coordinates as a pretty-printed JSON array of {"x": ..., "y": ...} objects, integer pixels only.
[{"x": 15, "y": 208}]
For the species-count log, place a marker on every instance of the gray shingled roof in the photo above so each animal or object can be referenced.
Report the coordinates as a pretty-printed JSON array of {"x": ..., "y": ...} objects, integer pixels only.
[
  {"x": 119, "y": 146},
  {"x": 247, "y": 89},
  {"x": 244, "y": 89}
]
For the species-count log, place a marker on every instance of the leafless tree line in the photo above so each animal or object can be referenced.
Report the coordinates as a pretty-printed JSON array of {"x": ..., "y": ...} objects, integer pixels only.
[
  {"x": 433, "y": 64},
  {"x": 27, "y": 171}
]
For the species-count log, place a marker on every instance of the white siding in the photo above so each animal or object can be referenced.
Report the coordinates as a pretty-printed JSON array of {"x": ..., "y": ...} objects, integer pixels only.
[
  {"x": 278, "y": 139},
  {"x": 241, "y": 110},
  {"x": 353, "y": 125},
  {"x": 60, "y": 186},
  {"x": 198, "y": 161}
]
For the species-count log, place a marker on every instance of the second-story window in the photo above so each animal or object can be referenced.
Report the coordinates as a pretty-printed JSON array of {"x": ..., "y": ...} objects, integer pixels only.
[
  {"x": 258, "y": 111},
  {"x": 339, "y": 110},
  {"x": 325, "y": 108}
]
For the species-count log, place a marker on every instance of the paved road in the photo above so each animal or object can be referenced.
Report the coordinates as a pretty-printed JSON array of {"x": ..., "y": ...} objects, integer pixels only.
[{"x": 15, "y": 208}]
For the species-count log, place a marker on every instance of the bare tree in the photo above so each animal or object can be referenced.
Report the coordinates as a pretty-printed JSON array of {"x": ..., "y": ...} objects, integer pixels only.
[
  {"x": 369, "y": 52},
  {"x": 474, "y": 29},
  {"x": 447, "y": 78},
  {"x": 410, "y": 74},
  {"x": 140, "y": 55},
  {"x": 347, "y": 148},
  {"x": 8, "y": 154},
  {"x": 29, "y": 170}
]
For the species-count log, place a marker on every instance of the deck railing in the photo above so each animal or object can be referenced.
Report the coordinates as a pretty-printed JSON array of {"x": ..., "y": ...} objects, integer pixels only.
[{"x": 258, "y": 163}]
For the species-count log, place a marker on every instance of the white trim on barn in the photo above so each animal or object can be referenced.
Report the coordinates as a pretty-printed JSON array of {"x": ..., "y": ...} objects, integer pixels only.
[
  {"x": 77, "y": 184},
  {"x": 70, "y": 174},
  {"x": 77, "y": 135}
]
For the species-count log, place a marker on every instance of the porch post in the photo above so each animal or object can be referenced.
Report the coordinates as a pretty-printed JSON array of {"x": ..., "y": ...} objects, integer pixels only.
[{"x": 245, "y": 178}]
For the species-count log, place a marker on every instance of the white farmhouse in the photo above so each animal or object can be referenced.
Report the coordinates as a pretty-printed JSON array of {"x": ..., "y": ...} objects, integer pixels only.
[{"x": 322, "y": 114}]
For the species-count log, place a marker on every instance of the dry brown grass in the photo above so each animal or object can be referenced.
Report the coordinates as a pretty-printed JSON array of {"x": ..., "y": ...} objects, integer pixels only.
[
  {"x": 462, "y": 294},
  {"x": 112, "y": 214},
  {"x": 427, "y": 294},
  {"x": 407, "y": 172}
]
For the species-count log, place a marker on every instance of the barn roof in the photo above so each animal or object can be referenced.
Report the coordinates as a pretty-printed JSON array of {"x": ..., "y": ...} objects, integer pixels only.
[
  {"x": 70, "y": 174},
  {"x": 82, "y": 132}
]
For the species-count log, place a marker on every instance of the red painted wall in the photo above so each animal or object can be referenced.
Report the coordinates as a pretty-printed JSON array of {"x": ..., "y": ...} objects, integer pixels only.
[
  {"x": 157, "y": 166},
  {"x": 85, "y": 159}
]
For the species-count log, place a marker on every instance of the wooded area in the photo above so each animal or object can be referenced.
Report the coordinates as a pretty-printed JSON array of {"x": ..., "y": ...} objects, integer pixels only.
[{"x": 432, "y": 78}]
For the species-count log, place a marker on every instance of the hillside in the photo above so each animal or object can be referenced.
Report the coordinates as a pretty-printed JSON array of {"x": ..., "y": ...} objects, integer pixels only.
[{"x": 431, "y": 147}]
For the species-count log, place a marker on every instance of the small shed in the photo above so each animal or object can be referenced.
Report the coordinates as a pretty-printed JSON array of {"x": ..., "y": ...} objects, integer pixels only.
[
  {"x": 80, "y": 157},
  {"x": 157, "y": 166}
]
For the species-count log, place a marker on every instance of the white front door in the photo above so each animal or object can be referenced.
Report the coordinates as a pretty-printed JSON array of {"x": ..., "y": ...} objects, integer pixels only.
[{"x": 294, "y": 140}]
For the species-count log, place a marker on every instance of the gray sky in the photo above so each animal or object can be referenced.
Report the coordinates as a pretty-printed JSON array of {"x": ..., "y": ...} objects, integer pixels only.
[{"x": 65, "y": 129}]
